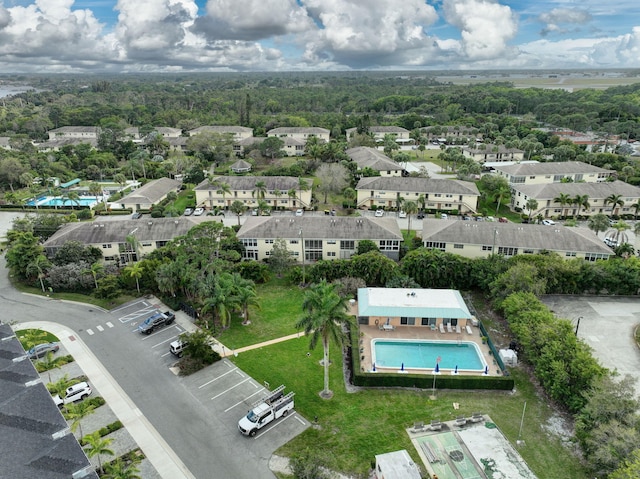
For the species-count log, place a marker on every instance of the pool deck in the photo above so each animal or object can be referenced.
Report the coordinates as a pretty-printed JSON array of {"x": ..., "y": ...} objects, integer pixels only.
[{"x": 367, "y": 333}]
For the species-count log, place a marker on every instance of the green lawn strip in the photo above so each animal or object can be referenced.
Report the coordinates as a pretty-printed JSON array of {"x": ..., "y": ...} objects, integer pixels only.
[
  {"x": 185, "y": 199},
  {"x": 279, "y": 311},
  {"x": 38, "y": 336},
  {"x": 355, "y": 427}
]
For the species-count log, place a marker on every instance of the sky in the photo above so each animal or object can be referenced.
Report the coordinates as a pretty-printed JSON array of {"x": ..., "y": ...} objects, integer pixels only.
[{"x": 77, "y": 36}]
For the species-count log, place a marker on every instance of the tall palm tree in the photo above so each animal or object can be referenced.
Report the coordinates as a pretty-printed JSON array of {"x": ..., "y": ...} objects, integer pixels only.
[
  {"x": 259, "y": 190},
  {"x": 617, "y": 233},
  {"x": 277, "y": 193},
  {"x": 410, "y": 208},
  {"x": 73, "y": 196},
  {"x": 76, "y": 412},
  {"x": 563, "y": 200},
  {"x": 98, "y": 446},
  {"x": 616, "y": 201},
  {"x": 292, "y": 194},
  {"x": 324, "y": 319},
  {"x": 503, "y": 192},
  {"x": 581, "y": 201},
  {"x": 262, "y": 207},
  {"x": 38, "y": 267},
  {"x": 350, "y": 195},
  {"x": 96, "y": 269},
  {"x": 531, "y": 206},
  {"x": 118, "y": 469},
  {"x": 636, "y": 208},
  {"x": 167, "y": 278},
  {"x": 224, "y": 189},
  {"x": 132, "y": 244},
  {"x": 238, "y": 208},
  {"x": 135, "y": 270}
]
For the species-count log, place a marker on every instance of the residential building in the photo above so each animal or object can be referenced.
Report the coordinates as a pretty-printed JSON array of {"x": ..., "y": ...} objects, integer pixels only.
[
  {"x": 401, "y": 135},
  {"x": 552, "y": 172},
  {"x": 482, "y": 153},
  {"x": 399, "y": 307},
  {"x": 438, "y": 194},
  {"x": 279, "y": 192},
  {"x": 240, "y": 147},
  {"x": 596, "y": 194},
  {"x": 238, "y": 132},
  {"x": 110, "y": 237},
  {"x": 240, "y": 167},
  {"x": 318, "y": 237},
  {"x": 366, "y": 157},
  {"x": 5, "y": 142},
  {"x": 35, "y": 440},
  {"x": 74, "y": 132},
  {"x": 149, "y": 194},
  {"x": 456, "y": 134},
  {"x": 478, "y": 239},
  {"x": 300, "y": 133},
  {"x": 293, "y": 146},
  {"x": 168, "y": 132}
]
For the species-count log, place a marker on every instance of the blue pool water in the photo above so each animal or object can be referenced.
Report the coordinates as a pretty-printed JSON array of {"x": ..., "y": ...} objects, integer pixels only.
[
  {"x": 57, "y": 201},
  {"x": 423, "y": 354}
]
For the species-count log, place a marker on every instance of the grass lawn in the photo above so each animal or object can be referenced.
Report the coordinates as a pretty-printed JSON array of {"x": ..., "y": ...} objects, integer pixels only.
[
  {"x": 280, "y": 309},
  {"x": 354, "y": 427},
  {"x": 32, "y": 337}
]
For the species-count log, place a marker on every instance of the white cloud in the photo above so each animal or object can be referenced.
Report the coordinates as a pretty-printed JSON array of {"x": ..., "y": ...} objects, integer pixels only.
[
  {"x": 486, "y": 27},
  {"x": 252, "y": 20}
]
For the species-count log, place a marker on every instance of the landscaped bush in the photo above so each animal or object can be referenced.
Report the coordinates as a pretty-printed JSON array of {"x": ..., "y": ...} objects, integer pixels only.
[
  {"x": 42, "y": 366},
  {"x": 104, "y": 431}
]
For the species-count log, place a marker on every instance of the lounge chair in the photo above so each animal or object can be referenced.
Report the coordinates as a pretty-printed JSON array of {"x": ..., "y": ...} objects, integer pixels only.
[
  {"x": 442, "y": 328},
  {"x": 418, "y": 427},
  {"x": 449, "y": 329},
  {"x": 435, "y": 425},
  {"x": 458, "y": 329},
  {"x": 461, "y": 421},
  {"x": 469, "y": 330},
  {"x": 477, "y": 417}
]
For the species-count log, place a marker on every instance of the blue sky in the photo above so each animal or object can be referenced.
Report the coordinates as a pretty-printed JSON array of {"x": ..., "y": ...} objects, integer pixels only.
[{"x": 279, "y": 35}]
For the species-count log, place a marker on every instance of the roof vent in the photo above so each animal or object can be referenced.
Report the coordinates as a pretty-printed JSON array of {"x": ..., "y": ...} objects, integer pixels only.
[
  {"x": 101, "y": 225},
  {"x": 176, "y": 222}
]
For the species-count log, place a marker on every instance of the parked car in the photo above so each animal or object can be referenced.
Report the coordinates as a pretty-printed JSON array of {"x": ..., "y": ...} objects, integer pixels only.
[
  {"x": 41, "y": 350},
  {"x": 490, "y": 218},
  {"x": 177, "y": 348},
  {"x": 73, "y": 393},
  {"x": 466, "y": 218},
  {"x": 611, "y": 242},
  {"x": 613, "y": 222},
  {"x": 188, "y": 211},
  {"x": 254, "y": 212},
  {"x": 444, "y": 216},
  {"x": 198, "y": 212},
  {"x": 379, "y": 213},
  {"x": 421, "y": 215},
  {"x": 299, "y": 212},
  {"x": 156, "y": 320},
  {"x": 548, "y": 222},
  {"x": 137, "y": 215},
  {"x": 503, "y": 220},
  {"x": 402, "y": 214}
]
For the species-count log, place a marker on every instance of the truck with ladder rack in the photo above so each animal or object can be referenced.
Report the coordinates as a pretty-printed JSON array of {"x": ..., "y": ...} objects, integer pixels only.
[{"x": 274, "y": 405}]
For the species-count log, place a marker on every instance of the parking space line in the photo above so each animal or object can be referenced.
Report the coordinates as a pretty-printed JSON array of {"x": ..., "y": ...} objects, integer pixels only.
[
  {"x": 300, "y": 420},
  {"x": 281, "y": 421},
  {"x": 215, "y": 379},
  {"x": 137, "y": 314},
  {"x": 99, "y": 328},
  {"x": 165, "y": 354},
  {"x": 229, "y": 389},
  {"x": 90, "y": 332},
  {"x": 163, "y": 342},
  {"x": 239, "y": 372},
  {"x": 240, "y": 402},
  {"x": 110, "y": 324},
  {"x": 164, "y": 330},
  {"x": 125, "y": 306}
]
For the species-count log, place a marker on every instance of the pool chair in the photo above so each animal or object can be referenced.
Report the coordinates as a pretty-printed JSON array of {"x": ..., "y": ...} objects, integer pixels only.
[
  {"x": 458, "y": 329},
  {"x": 477, "y": 417},
  {"x": 435, "y": 425},
  {"x": 449, "y": 329},
  {"x": 418, "y": 427},
  {"x": 442, "y": 328},
  {"x": 461, "y": 421},
  {"x": 469, "y": 331}
]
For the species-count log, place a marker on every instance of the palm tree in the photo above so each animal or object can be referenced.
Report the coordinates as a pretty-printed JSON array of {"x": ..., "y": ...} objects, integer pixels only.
[
  {"x": 132, "y": 244},
  {"x": 636, "y": 207},
  {"x": 500, "y": 194},
  {"x": 60, "y": 385},
  {"x": 616, "y": 201},
  {"x": 97, "y": 446},
  {"x": 96, "y": 269},
  {"x": 292, "y": 194},
  {"x": 118, "y": 469},
  {"x": 76, "y": 412},
  {"x": 238, "y": 208},
  {"x": 350, "y": 195},
  {"x": 598, "y": 223},
  {"x": 135, "y": 270},
  {"x": 260, "y": 189},
  {"x": 39, "y": 267},
  {"x": 224, "y": 189},
  {"x": 617, "y": 233},
  {"x": 220, "y": 298},
  {"x": 581, "y": 201},
  {"x": 262, "y": 207},
  {"x": 625, "y": 250},
  {"x": 245, "y": 293},
  {"x": 120, "y": 179},
  {"x": 410, "y": 208},
  {"x": 73, "y": 196},
  {"x": 324, "y": 318},
  {"x": 563, "y": 200},
  {"x": 167, "y": 278},
  {"x": 277, "y": 193},
  {"x": 531, "y": 206}
]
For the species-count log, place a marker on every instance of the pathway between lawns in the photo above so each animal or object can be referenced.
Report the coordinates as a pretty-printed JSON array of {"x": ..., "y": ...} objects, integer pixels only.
[{"x": 225, "y": 351}]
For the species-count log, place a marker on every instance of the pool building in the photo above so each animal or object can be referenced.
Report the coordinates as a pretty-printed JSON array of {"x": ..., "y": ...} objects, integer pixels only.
[{"x": 419, "y": 330}]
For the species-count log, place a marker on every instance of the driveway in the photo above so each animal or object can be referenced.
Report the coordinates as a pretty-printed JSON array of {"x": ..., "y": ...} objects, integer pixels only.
[{"x": 607, "y": 325}]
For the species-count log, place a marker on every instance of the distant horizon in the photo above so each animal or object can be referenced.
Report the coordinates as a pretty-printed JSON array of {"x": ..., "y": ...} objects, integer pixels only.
[{"x": 184, "y": 36}]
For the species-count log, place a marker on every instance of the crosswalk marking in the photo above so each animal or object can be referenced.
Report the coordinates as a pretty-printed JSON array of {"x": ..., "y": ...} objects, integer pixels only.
[
  {"x": 90, "y": 332},
  {"x": 99, "y": 328},
  {"x": 110, "y": 324}
]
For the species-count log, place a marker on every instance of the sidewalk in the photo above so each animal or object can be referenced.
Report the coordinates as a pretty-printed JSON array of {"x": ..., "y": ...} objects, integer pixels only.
[
  {"x": 163, "y": 458},
  {"x": 224, "y": 351}
]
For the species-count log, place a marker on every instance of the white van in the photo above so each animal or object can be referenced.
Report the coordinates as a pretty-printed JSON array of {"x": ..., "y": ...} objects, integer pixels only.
[{"x": 176, "y": 348}]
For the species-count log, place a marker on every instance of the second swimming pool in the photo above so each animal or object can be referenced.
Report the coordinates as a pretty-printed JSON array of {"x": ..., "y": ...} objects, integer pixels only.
[{"x": 424, "y": 354}]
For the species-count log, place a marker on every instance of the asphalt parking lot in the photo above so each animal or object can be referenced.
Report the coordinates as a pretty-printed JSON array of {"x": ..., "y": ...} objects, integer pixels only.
[{"x": 607, "y": 325}]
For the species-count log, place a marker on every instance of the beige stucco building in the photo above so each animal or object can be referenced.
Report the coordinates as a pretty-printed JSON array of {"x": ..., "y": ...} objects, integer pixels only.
[
  {"x": 597, "y": 193},
  {"x": 280, "y": 192},
  {"x": 492, "y": 153},
  {"x": 401, "y": 135},
  {"x": 367, "y": 157},
  {"x": 149, "y": 194},
  {"x": 110, "y": 237},
  {"x": 441, "y": 195},
  {"x": 239, "y": 133},
  {"x": 318, "y": 237},
  {"x": 473, "y": 239},
  {"x": 552, "y": 172},
  {"x": 300, "y": 133}
]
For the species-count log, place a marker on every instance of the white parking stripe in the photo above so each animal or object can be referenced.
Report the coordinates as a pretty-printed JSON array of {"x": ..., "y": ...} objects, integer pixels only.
[
  {"x": 215, "y": 379},
  {"x": 163, "y": 342},
  {"x": 110, "y": 324},
  {"x": 90, "y": 332},
  {"x": 241, "y": 402},
  {"x": 158, "y": 332},
  {"x": 239, "y": 372},
  {"x": 275, "y": 425},
  {"x": 163, "y": 355},
  {"x": 229, "y": 389},
  {"x": 99, "y": 328}
]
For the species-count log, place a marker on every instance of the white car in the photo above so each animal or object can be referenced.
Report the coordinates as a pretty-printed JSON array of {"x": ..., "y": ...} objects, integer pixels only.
[
  {"x": 548, "y": 222},
  {"x": 299, "y": 212},
  {"x": 73, "y": 393},
  {"x": 444, "y": 216},
  {"x": 379, "y": 213},
  {"x": 198, "y": 212},
  {"x": 402, "y": 214}
]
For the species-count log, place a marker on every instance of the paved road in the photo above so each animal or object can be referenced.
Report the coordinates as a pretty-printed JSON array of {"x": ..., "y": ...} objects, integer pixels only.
[{"x": 204, "y": 439}]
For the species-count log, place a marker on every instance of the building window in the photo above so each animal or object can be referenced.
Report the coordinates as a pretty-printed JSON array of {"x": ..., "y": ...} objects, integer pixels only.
[
  {"x": 268, "y": 241},
  {"x": 389, "y": 245},
  {"x": 435, "y": 245},
  {"x": 293, "y": 241},
  {"x": 487, "y": 248},
  {"x": 507, "y": 251},
  {"x": 247, "y": 243},
  {"x": 106, "y": 246},
  {"x": 331, "y": 254},
  {"x": 331, "y": 241},
  {"x": 458, "y": 246},
  {"x": 517, "y": 179},
  {"x": 595, "y": 256},
  {"x": 528, "y": 251},
  {"x": 570, "y": 254},
  {"x": 347, "y": 245},
  {"x": 250, "y": 254},
  {"x": 312, "y": 250},
  {"x": 408, "y": 321}
]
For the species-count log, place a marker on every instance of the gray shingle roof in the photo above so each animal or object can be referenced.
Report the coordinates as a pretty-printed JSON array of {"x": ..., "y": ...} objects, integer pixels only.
[
  {"x": 592, "y": 190},
  {"x": 35, "y": 440},
  {"x": 513, "y": 235},
  {"x": 489, "y": 149},
  {"x": 101, "y": 232},
  {"x": 367, "y": 157},
  {"x": 240, "y": 165},
  {"x": 298, "y": 129},
  {"x": 152, "y": 192},
  {"x": 418, "y": 185},
  {"x": 248, "y": 183},
  {"x": 320, "y": 227},
  {"x": 220, "y": 129},
  {"x": 551, "y": 168}
]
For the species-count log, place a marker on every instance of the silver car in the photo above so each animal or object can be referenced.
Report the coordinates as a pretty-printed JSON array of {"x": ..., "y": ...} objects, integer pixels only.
[{"x": 41, "y": 350}]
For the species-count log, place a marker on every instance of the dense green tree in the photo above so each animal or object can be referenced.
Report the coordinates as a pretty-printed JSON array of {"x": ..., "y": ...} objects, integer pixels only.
[{"x": 23, "y": 251}]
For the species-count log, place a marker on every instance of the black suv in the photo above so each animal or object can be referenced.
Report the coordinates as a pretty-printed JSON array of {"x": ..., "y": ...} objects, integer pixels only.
[{"x": 157, "y": 320}]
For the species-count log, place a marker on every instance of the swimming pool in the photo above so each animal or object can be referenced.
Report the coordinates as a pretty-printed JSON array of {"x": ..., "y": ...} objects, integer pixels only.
[
  {"x": 423, "y": 354},
  {"x": 59, "y": 201}
]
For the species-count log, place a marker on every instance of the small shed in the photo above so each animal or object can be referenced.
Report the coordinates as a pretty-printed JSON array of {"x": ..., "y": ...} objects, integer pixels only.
[
  {"x": 396, "y": 465},
  {"x": 509, "y": 357}
]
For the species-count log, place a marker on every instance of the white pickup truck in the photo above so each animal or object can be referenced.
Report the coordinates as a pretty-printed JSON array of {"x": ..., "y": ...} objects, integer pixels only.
[{"x": 273, "y": 406}]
